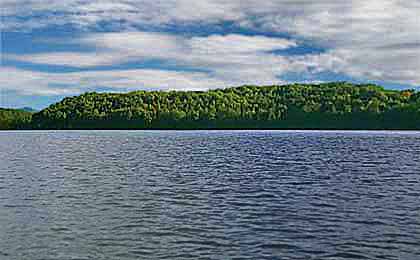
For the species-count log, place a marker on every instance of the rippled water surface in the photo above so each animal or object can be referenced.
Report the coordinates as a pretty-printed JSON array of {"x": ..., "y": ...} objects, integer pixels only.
[{"x": 209, "y": 195}]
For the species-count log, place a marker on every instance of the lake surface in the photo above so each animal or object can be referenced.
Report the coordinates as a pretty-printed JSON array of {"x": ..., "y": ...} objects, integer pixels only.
[{"x": 209, "y": 195}]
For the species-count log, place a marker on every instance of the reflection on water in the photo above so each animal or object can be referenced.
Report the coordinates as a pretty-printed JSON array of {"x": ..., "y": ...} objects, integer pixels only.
[{"x": 209, "y": 195}]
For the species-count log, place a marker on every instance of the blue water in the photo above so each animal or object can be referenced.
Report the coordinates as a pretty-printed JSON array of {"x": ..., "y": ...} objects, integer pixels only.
[{"x": 209, "y": 195}]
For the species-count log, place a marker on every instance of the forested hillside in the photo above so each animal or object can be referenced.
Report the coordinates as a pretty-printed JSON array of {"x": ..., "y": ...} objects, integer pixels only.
[
  {"x": 14, "y": 119},
  {"x": 324, "y": 106}
]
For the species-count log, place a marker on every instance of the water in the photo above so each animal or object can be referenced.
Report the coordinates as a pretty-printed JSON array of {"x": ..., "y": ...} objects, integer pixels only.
[{"x": 209, "y": 195}]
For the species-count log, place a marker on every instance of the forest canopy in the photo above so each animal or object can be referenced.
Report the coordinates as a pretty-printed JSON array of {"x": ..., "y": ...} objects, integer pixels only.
[
  {"x": 299, "y": 106},
  {"x": 14, "y": 119}
]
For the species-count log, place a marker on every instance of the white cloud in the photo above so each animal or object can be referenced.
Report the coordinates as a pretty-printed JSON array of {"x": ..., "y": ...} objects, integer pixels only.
[
  {"x": 373, "y": 40},
  {"x": 26, "y": 82},
  {"x": 30, "y": 82},
  {"x": 71, "y": 59},
  {"x": 117, "y": 48},
  {"x": 228, "y": 44},
  {"x": 228, "y": 60}
]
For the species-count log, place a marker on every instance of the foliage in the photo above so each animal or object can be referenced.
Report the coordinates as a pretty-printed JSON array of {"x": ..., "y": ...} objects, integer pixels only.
[
  {"x": 311, "y": 106},
  {"x": 14, "y": 119}
]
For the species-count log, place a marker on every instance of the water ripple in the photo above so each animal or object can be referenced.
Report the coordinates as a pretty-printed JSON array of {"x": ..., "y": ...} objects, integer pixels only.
[{"x": 209, "y": 195}]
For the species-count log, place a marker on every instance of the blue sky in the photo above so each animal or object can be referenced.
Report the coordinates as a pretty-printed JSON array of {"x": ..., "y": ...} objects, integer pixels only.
[{"x": 56, "y": 48}]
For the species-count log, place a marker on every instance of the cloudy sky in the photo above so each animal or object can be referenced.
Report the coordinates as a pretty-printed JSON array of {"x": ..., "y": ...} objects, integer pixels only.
[{"x": 56, "y": 48}]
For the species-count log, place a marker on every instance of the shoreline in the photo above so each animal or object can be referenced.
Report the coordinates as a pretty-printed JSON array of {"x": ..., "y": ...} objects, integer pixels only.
[{"x": 219, "y": 129}]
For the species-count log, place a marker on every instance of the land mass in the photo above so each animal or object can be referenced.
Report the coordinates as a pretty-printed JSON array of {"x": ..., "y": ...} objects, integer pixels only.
[
  {"x": 338, "y": 105},
  {"x": 12, "y": 119}
]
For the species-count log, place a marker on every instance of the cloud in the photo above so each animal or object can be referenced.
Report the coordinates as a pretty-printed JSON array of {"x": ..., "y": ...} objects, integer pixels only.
[
  {"x": 117, "y": 48},
  {"x": 26, "y": 82},
  {"x": 71, "y": 59},
  {"x": 233, "y": 43},
  {"x": 370, "y": 40},
  {"x": 227, "y": 60}
]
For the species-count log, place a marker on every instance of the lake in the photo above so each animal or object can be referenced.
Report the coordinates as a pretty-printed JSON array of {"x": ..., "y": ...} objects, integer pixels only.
[{"x": 209, "y": 195}]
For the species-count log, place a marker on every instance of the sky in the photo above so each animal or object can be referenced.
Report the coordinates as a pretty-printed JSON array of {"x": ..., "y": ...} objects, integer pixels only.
[{"x": 56, "y": 48}]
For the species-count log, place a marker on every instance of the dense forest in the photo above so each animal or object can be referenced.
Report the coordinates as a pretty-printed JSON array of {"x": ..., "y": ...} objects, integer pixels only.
[
  {"x": 300, "y": 106},
  {"x": 14, "y": 119}
]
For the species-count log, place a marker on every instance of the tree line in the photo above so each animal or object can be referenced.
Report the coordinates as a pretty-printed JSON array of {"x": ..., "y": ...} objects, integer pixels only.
[
  {"x": 14, "y": 119},
  {"x": 337, "y": 105}
]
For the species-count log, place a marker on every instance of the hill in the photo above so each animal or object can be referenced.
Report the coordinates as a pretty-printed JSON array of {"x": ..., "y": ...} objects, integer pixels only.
[
  {"x": 310, "y": 106},
  {"x": 14, "y": 119}
]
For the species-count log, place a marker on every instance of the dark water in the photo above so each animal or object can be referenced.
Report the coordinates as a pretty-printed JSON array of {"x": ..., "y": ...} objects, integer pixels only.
[{"x": 209, "y": 195}]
